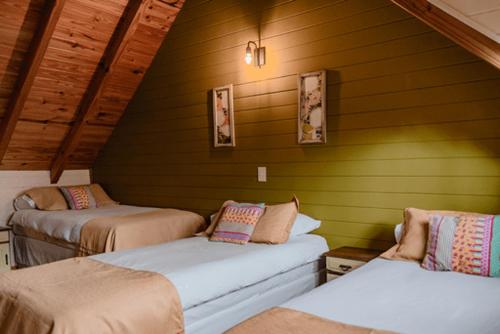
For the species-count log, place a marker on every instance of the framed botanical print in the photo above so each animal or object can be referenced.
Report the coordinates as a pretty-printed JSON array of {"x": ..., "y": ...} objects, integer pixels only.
[
  {"x": 312, "y": 107},
  {"x": 223, "y": 115}
]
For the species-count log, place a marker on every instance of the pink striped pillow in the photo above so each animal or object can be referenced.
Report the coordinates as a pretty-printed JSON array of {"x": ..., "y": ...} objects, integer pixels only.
[{"x": 237, "y": 222}]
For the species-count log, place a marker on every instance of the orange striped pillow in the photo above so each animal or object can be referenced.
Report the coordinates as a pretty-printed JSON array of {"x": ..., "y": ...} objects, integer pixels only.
[{"x": 79, "y": 197}]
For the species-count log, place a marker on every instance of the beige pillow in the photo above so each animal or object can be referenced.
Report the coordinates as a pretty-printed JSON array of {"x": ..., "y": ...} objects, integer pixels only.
[
  {"x": 48, "y": 198},
  {"x": 412, "y": 246},
  {"x": 100, "y": 196},
  {"x": 276, "y": 223}
]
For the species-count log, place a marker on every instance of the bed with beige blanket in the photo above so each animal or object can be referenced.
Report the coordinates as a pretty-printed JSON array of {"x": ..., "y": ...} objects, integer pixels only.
[
  {"x": 46, "y": 236},
  {"x": 388, "y": 296},
  {"x": 190, "y": 285},
  {"x": 109, "y": 299},
  {"x": 281, "y": 320}
]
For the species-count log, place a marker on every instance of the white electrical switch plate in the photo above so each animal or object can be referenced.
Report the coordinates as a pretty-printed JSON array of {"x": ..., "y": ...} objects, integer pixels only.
[{"x": 262, "y": 174}]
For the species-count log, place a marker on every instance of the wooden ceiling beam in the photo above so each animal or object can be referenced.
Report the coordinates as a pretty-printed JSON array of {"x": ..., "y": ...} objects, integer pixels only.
[
  {"x": 462, "y": 34},
  {"x": 36, "y": 51},
  {"x": 124, "y": 30}
]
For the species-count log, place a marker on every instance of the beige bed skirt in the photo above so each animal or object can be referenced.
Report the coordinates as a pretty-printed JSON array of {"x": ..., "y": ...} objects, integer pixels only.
[
  {"x": 281, "y": 320},
  {"x": 81, "y": 295}
]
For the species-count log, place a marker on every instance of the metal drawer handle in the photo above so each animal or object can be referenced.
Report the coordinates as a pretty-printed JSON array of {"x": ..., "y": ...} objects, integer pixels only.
[{"x": 345, "y": 267}]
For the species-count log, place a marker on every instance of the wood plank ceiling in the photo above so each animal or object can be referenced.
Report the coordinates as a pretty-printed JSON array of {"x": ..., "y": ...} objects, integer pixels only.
[{"x": 95, "y": 59}]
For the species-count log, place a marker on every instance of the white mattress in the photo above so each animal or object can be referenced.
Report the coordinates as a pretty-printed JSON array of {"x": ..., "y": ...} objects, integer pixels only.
[
  {"x": 220, "y": 314},
  {"x": 202, "y": 270},
  {"x": 67, "y": 224},
  {"x": 402, "y": 297}
]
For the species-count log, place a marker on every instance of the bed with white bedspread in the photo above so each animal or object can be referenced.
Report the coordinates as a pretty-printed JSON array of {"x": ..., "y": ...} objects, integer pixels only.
[
  {"x": 219, "y": 283},
  {"x": 402, "y": 297}
]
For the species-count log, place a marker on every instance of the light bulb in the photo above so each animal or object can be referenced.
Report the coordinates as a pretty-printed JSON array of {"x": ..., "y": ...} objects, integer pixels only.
[{"x": 248, "y": 55}]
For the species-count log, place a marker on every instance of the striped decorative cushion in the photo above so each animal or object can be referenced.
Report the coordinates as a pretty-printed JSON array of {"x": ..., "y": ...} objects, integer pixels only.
[
  {"x": 79, "y": 197},
  {"x": 237, "y": 222},
  {"x": 468, "y": 244}
]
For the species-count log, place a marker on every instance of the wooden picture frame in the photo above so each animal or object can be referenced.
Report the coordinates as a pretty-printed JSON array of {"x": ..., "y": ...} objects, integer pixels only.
[
  {"x": 311, "y": 116},
  {"x": 223, "y": 116}
]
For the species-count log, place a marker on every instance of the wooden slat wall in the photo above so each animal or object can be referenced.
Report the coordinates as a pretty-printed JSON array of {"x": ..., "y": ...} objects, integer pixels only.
[{"x": 413, "y": 119}]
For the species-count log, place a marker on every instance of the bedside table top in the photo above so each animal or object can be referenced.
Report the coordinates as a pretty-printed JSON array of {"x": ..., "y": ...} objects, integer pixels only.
[{"x": 354, "y": 253}]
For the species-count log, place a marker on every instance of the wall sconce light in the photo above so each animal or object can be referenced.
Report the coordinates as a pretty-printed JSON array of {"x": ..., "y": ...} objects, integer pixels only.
[{"x": 259, "y": 54}]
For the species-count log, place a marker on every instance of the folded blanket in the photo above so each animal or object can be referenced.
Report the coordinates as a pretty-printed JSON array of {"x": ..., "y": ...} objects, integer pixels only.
[
  {"x": 108, "y": 234},
  {"x": 281, "y": 320},
  {"x": 87, "y": 296}
]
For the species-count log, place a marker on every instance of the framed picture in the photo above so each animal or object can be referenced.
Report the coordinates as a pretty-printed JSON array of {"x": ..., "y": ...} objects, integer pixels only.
[
  {"x": 312, "y": 107},
  {"x": 223, "y": 116}
]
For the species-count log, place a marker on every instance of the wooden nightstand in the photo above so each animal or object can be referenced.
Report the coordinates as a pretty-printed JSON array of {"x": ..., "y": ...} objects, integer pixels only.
[
  {"x": 342, "y": 260},
  {"x": 4, "y": 248}
]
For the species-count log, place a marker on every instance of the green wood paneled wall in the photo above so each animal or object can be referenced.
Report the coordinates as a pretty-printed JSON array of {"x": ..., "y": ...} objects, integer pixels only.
[{"x": 413, "y": 119}]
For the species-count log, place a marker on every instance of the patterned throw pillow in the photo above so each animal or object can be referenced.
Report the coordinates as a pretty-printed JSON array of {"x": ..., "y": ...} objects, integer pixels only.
[
  {"x": 79, "y": 197},
  {"x": 465, "y": 243},
  {"x": 237, "y": 223}
]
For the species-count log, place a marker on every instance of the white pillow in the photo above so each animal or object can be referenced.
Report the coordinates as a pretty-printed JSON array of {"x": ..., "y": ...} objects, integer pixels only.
[
  {"x": 304, "y": 224},
  {"x": 398, "y": 232},
  {"x": 24, "y": 202}
]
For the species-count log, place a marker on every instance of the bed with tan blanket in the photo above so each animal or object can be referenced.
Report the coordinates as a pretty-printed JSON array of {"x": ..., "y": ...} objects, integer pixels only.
[
  {"x": 46, "y": 236},
  {"x": 387, "y": 296},
  {"x": 192, "y": 285}
]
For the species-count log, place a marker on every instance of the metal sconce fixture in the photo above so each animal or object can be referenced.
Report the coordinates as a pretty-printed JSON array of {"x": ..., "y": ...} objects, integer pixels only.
[{"x": 259, "y": 54}]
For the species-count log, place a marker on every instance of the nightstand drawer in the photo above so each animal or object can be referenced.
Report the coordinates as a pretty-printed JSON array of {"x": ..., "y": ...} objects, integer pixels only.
[
  {"x": 330, "y": 276},
  {"x": 4, "y": 236},
  {"x": 341, "y": 265},
  {"x": 4, "y": 257}
]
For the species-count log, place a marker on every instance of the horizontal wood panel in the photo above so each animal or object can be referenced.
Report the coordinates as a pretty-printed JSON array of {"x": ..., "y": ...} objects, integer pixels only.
[
  {"x": 311, "y": 197},
  {"x": 349, "y": 130},
  {"x": 421, "y": 185},
  {"x": 392, "y": 93},
  {"x": 352, "y": 86},
  {"x": 290, "y": 34},
  {"x": 404, "y": 167},
  {"x": 389, "y": 151},
  {"x": 412, "y": 118}
]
